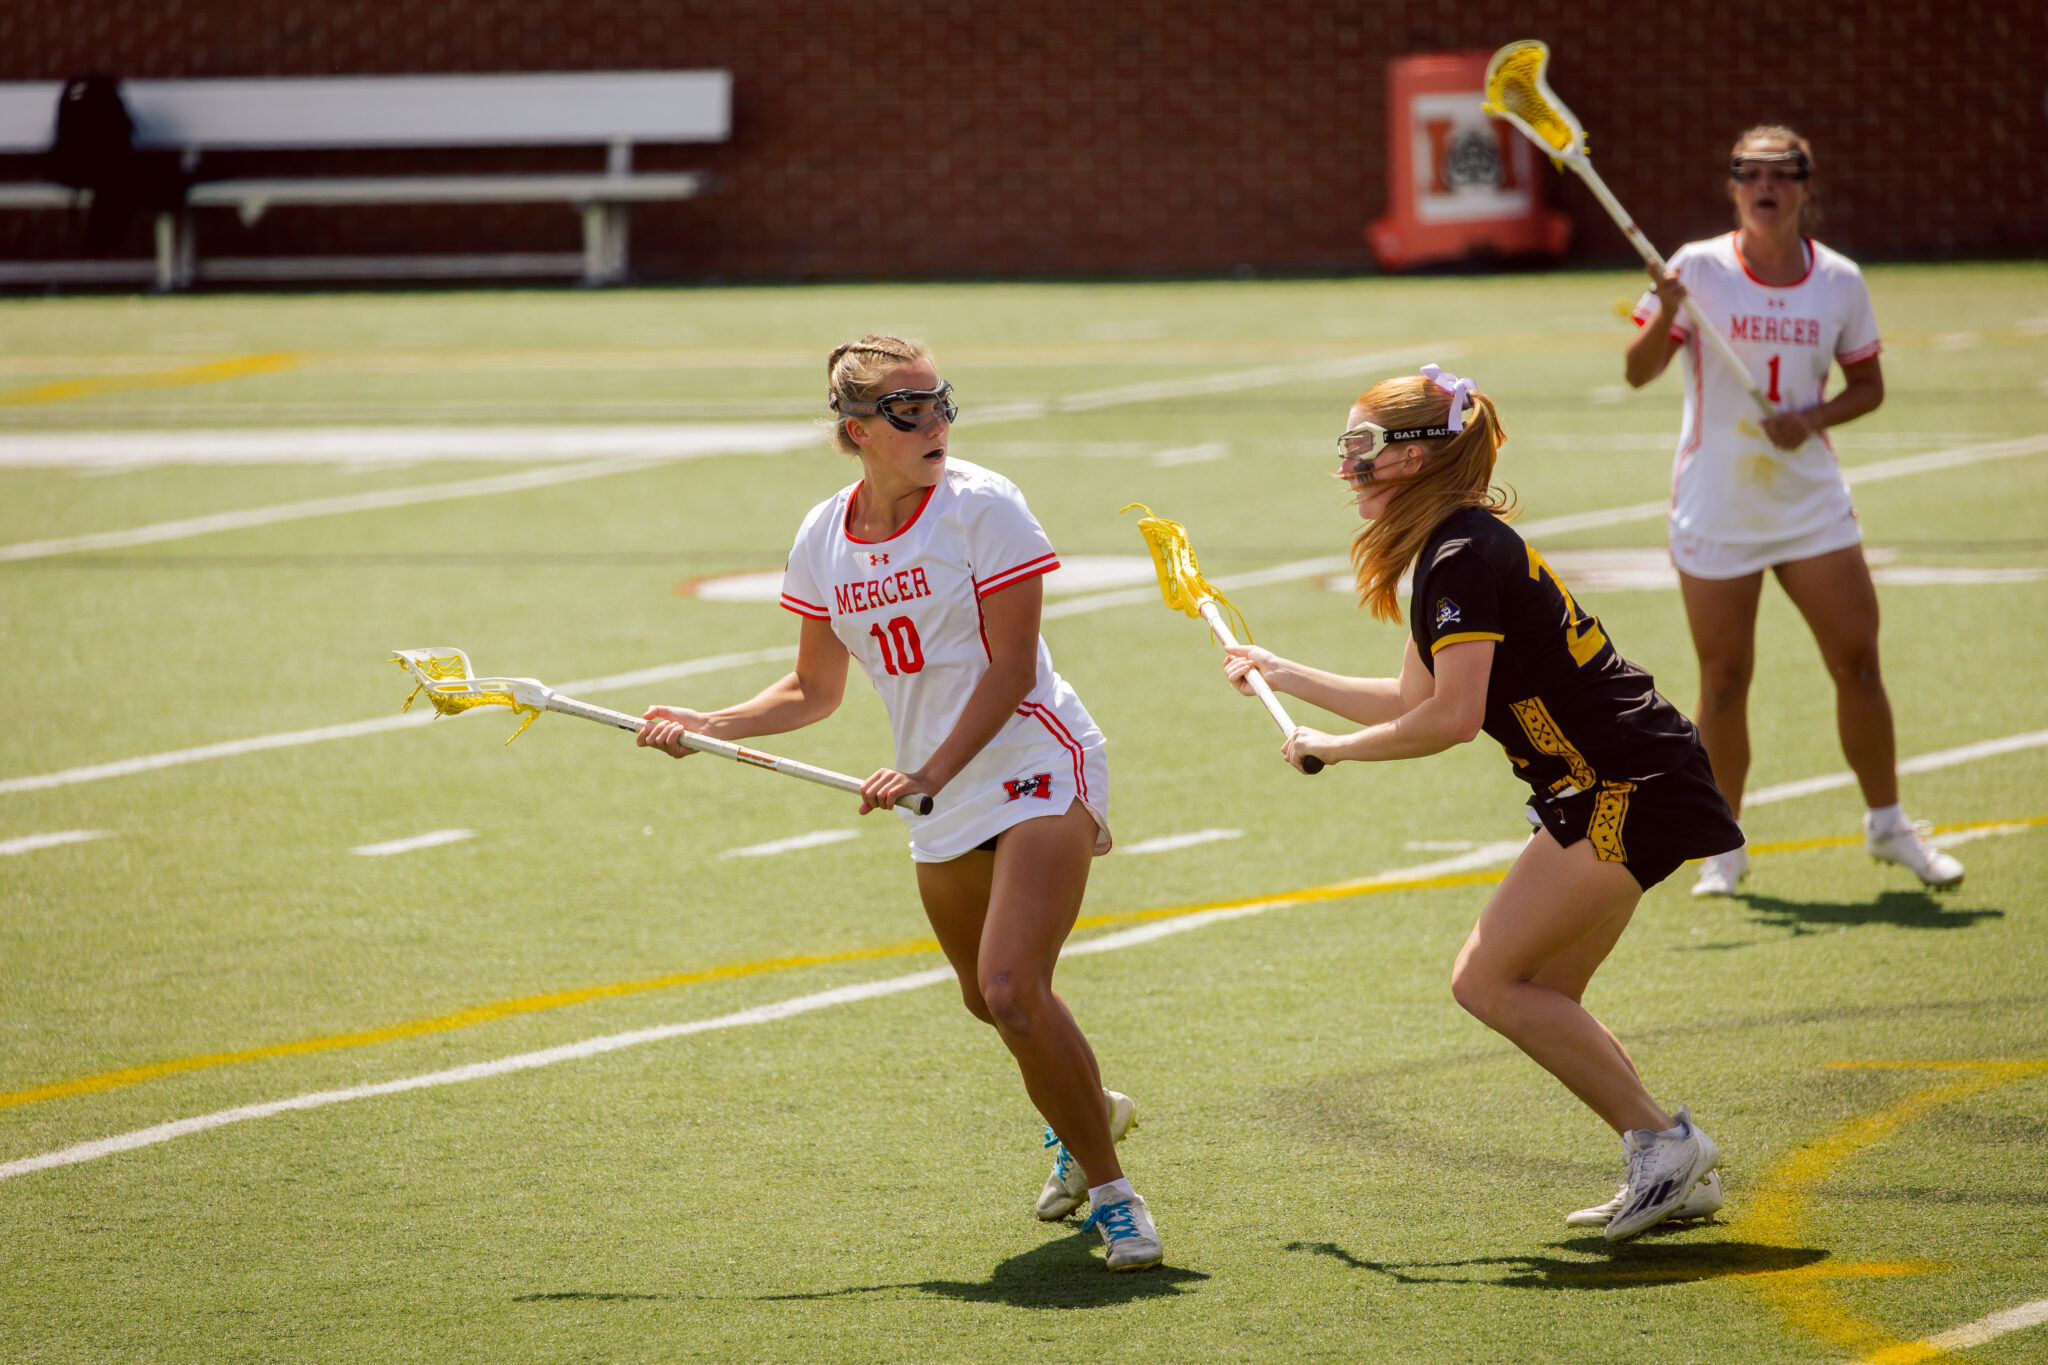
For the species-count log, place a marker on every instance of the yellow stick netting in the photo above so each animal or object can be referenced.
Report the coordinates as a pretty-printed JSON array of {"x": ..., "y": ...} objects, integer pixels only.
[
  {"x": 1180, "y": 578},
  {"x": 429, "y": 666},
  {"x": 1515, "y": 86},
  {"x": 453, "y": 698}
]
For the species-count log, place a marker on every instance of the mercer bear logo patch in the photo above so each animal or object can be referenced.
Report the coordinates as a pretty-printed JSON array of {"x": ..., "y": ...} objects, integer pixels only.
[{"x": 1039, "y": 786}]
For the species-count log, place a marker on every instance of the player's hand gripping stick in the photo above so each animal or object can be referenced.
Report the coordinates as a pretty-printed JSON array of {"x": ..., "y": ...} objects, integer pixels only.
[
  {"x": 444, "y": 676},
  {"x": 1185, "y": 590}
]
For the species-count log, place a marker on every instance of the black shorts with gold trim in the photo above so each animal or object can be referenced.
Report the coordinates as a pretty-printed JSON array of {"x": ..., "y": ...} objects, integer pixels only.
[{"x": 1651, "y": 827}]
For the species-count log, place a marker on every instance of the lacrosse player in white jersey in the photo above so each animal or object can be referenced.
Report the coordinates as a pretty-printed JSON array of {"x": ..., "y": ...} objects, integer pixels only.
[
  {"x": 1752, "y": 492},
  {"x": 929, "y": 571}
]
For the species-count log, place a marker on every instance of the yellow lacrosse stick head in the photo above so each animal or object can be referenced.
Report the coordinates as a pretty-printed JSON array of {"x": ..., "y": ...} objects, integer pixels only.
[
  {"x": 454, "y": 697},
  {"x": 1517, "y": 92},
  {"x": 1181, "y": 584},
  {"x": 442, "y": 663},
  {"x": 1180, "y": 578}
]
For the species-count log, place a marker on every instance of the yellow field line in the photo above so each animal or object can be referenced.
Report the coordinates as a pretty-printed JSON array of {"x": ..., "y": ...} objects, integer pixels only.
[
  {"x": 63, "y": 391},
  {"x": 1777, "y": 1208},
  {"x": 461, "y": 1019},
  {"x": 532, "y": 1004}
]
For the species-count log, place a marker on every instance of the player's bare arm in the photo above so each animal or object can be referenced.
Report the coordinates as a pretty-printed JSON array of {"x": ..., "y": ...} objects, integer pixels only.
[
  {"x": 1450, "y": 715},
  {"x": 804, "y": 696},
  {"x": 1368, "y": 701},
  {"x": 1651, "y": 348}
]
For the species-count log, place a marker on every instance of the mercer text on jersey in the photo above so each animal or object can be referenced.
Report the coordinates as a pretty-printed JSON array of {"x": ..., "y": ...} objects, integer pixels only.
[
  {"x": 1783, "y": 331},
  {"x": 876, "y": 593}
]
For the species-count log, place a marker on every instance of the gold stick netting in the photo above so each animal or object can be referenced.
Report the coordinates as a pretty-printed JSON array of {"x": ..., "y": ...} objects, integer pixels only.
[
  {"x": 1516, "y": 86},
  {"x": 429, "y": 668},
  {"x": 453, "y": 700},
  {"x": 1180, "y": 577}
]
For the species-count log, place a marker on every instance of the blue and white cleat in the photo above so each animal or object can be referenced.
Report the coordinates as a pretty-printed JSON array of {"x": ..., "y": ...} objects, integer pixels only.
[
  {"x": 1066, "y": 1189},
  {"x": 1128, "y": 1233}
]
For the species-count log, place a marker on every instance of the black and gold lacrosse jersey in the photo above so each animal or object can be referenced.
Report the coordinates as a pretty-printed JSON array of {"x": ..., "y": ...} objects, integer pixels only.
[{"x": 1570, "y": 711}]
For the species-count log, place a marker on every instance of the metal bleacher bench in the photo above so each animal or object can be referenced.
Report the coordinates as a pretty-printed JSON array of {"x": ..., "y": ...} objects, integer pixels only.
[{"x": 611, "y": 110}]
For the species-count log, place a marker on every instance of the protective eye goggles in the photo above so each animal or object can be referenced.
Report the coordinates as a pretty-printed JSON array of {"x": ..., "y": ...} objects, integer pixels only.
[
  {"x": 903, "y": 409},
  {"x": 1360, "y": 447},
  {"x": 1791, "y": 165}
]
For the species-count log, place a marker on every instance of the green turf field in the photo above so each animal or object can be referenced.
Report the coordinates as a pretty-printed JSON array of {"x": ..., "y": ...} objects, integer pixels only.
[{"x": 1344, "y": 1166}]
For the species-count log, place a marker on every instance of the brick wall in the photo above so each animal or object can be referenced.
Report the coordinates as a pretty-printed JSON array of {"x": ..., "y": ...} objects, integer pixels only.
[{"x": 969, "y": 137}]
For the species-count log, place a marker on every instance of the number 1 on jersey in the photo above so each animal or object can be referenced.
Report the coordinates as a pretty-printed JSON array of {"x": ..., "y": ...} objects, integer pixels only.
[
  {"x": 1773, "y": 394},
  {"x": 908, "y": 654}
]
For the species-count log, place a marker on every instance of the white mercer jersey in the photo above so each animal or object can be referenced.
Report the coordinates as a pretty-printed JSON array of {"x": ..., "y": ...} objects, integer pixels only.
[
  {"x": 1729, "y": 483},
  {"x": 909, "y": 609}
]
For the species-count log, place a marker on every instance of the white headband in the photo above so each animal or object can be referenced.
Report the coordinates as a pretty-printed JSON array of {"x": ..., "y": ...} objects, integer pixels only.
[{"x": 1453, "y": 386}]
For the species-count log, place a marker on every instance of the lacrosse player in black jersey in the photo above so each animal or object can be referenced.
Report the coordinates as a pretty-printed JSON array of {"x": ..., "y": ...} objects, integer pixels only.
[{"x": 1623, "y": 793}]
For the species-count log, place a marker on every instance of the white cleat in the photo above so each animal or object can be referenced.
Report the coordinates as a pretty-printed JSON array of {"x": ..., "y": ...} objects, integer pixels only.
[
  {"x": 1066, "y": 1189},
  {"x": 1701, "y": 1201},
  {"x": 1661, "y": 1172},
  {"x": 1128, "y": 1233},
  {"x": 1908, "y": 847},
  {"x": 1720, "y": 873}
]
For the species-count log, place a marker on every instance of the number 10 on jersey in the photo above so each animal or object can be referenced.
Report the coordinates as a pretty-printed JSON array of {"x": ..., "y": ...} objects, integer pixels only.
[{"x": 902, "y": 651}]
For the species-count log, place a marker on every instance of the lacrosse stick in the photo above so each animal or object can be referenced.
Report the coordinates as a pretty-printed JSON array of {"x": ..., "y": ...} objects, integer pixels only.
[
  {"x": 1182, "y": 585},
  {"x": 451, "y": 695},
  {"x": 1517, "y": 94}
]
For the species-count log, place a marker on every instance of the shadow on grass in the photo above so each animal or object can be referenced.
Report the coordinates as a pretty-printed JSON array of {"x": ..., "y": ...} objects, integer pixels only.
[
  {"x": 1634, "y": 1265},
  {"x": 588, "y": 1296},
  {"x": 1062, "y": 1274},
  {"x": 1904, "y": 909}
]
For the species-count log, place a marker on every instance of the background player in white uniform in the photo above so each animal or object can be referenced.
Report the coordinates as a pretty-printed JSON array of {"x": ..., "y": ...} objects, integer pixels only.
[
  {"x": 1751, "y": 493},
  {"x": 929, "y": 572}
]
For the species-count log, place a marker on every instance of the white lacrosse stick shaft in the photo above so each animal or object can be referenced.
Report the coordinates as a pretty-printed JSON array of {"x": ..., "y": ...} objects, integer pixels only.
[
  {"x": 530, "y": 692},
  {"x": 1575, "y": 157},
  {"x": 1260, "y": 689},
  {"x": 1583, "y": 168}
]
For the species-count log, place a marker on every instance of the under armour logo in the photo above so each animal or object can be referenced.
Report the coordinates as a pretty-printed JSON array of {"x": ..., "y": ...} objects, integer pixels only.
[
  {"x": 878, "y": 559},
  {"x": 1039, "y": 786},
  {"x": 1774, "y": 303}
]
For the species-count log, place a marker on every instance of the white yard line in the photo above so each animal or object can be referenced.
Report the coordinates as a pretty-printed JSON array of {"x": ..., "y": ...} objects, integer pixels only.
[
  {"x": 815, "y": 839},
  {"x": 1189, "y": 386},
  {"x": 1924, "y": 763},
  {"x": 433, "y": 839},
  {"x": 29, "y": 843},
  {"x": 1486, "y": 855},
  {"x": 1984, "y": 1329},
  {"x": 248, "y": 517},
  {"x": 1971, "y": 836},
  {"x": 1168, "y": 843},
  {"x": 1952, "y": 458},
  {"x": 128, "y": 767},
  {"x": 380, "y": 446}
]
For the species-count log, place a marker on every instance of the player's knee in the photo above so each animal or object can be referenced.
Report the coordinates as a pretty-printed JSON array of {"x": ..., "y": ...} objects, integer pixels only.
[
  {"x": 1014, "y": 1005},
  {"x": 970, "y": 996},
  {"x": 1724, "y": 678},
  {"x": 1476, "y": 992},
  {"x": 1857, "y": 668}
]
